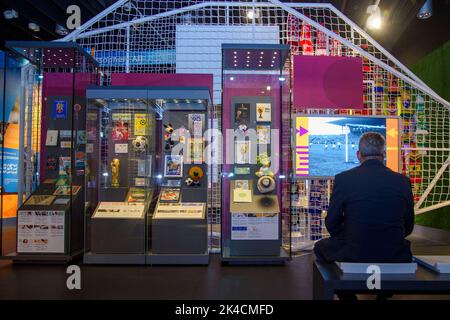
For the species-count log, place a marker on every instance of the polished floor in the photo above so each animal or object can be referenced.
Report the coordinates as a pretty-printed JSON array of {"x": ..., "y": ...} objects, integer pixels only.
[{"x": 291, "y": 281}]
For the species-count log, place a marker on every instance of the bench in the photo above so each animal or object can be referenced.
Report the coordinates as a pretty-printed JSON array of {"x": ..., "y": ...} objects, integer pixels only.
[{"x": 329, "y": 279}]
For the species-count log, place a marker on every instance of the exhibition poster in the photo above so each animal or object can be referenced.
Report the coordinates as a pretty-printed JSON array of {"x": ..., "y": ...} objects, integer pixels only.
[{"x": 40, "y": 231}]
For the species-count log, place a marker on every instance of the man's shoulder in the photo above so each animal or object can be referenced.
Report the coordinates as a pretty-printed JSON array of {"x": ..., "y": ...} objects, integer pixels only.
[{"x": 347, "y": 174}]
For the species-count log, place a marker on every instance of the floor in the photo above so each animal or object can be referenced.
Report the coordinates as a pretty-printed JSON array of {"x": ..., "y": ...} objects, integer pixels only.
[{"x": 291, "y": 281}]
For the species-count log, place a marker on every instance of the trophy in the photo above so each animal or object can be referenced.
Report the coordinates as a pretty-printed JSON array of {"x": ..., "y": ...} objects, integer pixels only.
[{"x": 115, "y": 169}]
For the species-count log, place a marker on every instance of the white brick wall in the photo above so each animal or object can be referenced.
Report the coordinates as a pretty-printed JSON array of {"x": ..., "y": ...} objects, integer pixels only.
[{"x": 199, "y": 47}]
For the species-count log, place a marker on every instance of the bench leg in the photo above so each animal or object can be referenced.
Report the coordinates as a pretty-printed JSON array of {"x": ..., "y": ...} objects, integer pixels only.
[{"x": 321, "y": 289}]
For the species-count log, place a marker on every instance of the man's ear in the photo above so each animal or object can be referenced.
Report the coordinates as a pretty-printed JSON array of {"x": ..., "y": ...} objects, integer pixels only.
[{"x": 358, "y": 155}]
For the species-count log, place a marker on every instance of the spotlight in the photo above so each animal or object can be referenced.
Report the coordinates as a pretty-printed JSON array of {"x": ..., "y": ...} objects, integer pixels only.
[
  {"x": 10, "y": 14},
  {"x": 374, "y": 19},
  {"x": 61, "y": 30},
  {"x": 426, "y": 11},
  {"x": 34, "y": 27}
]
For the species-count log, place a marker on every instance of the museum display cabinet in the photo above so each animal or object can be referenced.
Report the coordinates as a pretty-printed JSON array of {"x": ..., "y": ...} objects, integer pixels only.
[
  {"x": 256, "y": 165},
  {"x": 147, "y": 182},
  {"x": 51, "y": 179}
]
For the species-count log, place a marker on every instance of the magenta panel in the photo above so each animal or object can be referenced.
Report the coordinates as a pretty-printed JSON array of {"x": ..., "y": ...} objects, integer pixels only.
[{"x": 328, "y": 82}]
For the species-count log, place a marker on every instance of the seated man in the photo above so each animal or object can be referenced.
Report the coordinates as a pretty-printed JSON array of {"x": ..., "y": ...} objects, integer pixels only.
[{"x": 371, "y": 211}]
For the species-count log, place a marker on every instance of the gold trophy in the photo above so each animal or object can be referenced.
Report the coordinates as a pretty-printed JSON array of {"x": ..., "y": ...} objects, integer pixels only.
[{"x": 115, "y": 169}]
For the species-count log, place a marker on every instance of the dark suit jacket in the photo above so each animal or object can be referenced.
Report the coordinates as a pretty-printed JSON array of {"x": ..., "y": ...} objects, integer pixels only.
[{"x": 371, "y": 211}]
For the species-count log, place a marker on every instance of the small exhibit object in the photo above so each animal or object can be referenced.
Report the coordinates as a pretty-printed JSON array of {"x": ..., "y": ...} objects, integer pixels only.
[
  {"x": 170, "y": 195},
  {"x": 115, "y": 171},
  {"x": 168, "y": 131},
  {"x": 266, "y": 184},
  {"x": 242, "y": 152},
  {"x": 61, "y": 201},
  {"x": 263, "y": 112},
  {"x": 52, "y": 138},
  {"x": 40, "y": 200},
  {"x": 81, "y": 137},
  {"x": 64, "y": 166},
  {"x": 241, "y": 170},
  {"x": 195, "y": 126},
  {"x": 121, "y": 148},
  {"x": 242, "y": 195},
  {"x": 140, "y": 182},
  {"x": 66, "y": 144},
  {"x": 136, "y": 195},
  {"x": 140, "y": 144},
  {"x": 120, "y": 125},
  {"x": 51, "y": 162},
  {"x": 241, "y": 184},
  {"x": 65, "y": 190},
  {"x": 141, "y": 124},
  {"x": 195, "y": 174},
  {"x": 173, "y": 166},
  {"x": 439, "y": 264}
]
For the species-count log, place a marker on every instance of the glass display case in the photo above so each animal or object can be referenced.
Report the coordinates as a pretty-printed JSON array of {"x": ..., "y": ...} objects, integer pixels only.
[
  {"x": 256, "y": 119},
  {"x": 52, "y": 148},
  {"x": 147, "y": 180}
]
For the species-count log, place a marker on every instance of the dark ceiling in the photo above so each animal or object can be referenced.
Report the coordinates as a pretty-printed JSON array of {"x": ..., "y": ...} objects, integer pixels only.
[{"x": 405, "y": 36}]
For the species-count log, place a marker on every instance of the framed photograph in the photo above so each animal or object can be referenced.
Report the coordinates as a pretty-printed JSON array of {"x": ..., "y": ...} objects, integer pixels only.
[
  {"x": 59, "y": 109},
  {"x": 170, "y": 195},
  {"x": 52, "y": 138},
  {"x": 263, "y": 134},
  {"x": 173, "y": 166},
  {"x": 263, "y": 112},
  {"x": 242, "y": 152},
  {"x": 242, "y": 113}
]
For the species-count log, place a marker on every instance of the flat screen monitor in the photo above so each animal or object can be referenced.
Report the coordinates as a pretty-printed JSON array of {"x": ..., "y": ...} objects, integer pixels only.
[{"x": 327, "y": 145}]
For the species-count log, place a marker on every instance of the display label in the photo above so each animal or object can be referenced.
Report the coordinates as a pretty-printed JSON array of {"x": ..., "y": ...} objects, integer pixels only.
[
  {"x": 250, "y": 226},
  {"x": 40, "y": 232}
]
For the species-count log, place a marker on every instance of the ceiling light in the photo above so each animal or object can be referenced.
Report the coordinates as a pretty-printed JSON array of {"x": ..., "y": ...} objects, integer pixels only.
[
  {"x": 34, "y": 27},
  {"x": 426, "y": 11},
  {"x": 374, "y": 19},
  {"x": 269, "y": 88},
  {"x": 10, "y": 14},
  {"x": 231, "y": 78},
  {"x": 282, "y": 78},
  {"x": 59, "y": 29}
]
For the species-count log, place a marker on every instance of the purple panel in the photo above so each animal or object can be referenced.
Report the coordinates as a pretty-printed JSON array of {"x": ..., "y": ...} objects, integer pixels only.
[{"x": 328, "y": 82}]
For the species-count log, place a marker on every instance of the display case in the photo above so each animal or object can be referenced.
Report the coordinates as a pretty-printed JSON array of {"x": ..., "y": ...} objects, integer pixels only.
[
  {"x": 147, "y": 182},
  {"x": 256, "y": 112},
  {"x": 51, "y": 181}
]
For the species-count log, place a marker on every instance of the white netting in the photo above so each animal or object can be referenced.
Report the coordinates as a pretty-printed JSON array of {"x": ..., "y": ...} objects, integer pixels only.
[{"x": 140, "y": 36}]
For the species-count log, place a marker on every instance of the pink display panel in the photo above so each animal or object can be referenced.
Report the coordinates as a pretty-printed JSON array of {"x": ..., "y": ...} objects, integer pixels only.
[{"x": 328, "y": 82}]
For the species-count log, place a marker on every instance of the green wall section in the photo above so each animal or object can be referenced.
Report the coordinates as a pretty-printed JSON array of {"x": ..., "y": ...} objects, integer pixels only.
[{"x": 434, "y": 70}]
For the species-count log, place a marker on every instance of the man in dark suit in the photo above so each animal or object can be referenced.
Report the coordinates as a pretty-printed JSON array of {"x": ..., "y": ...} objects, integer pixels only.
[{"x": 371, "y": 211}]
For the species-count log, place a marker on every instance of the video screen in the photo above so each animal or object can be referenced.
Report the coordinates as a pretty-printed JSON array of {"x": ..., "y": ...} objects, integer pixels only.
[{"x": 327, "y": 145}]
